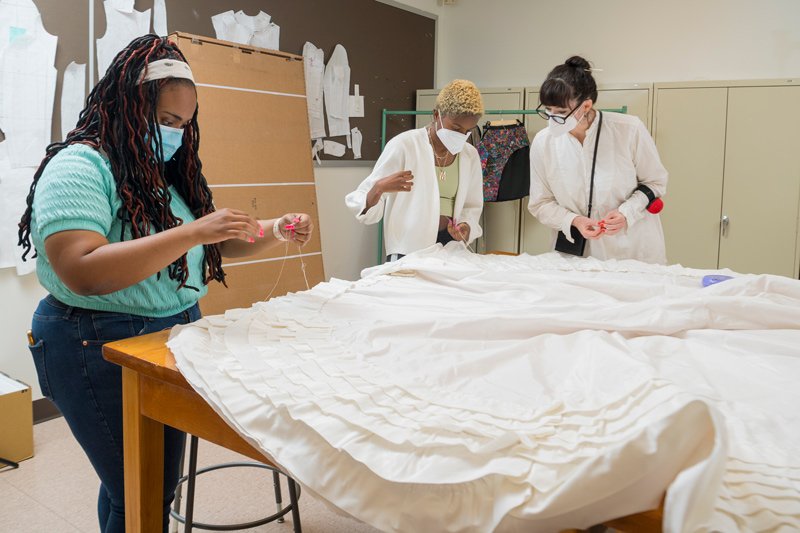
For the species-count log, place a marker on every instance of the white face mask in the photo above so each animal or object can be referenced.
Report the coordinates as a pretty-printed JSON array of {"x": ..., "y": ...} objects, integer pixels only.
[
  {"x": 557, "y": 130},
  {"x": 452, "y": 140}
]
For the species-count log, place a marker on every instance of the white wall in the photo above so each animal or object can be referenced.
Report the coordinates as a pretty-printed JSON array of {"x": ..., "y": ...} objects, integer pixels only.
[
  {"x": 20, "y": 296},
  {"x": 347, "y": 245},
  {"x": 516, "y": 42}
]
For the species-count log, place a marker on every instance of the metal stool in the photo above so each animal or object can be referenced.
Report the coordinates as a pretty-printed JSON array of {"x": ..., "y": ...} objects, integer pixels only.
[{"x": 188, "y": 520}]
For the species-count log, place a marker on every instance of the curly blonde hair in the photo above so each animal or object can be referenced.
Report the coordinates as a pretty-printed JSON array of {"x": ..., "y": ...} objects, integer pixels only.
[{"x": 459, "y": 98}]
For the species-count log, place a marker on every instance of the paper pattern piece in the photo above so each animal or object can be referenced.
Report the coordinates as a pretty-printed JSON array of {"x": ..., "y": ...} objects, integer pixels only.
[
  {"x": 357, "y": 137},
  {"x": 356, "y": 104},
  {"x": 160, "y": 18},
  {"x": 337, "y": 91},
  {"x": 333, "y": 148},
  {"x": 123, "y": 24},
  {"x": 268, "y": 38},
  {"x": 27, "y": 93},
  {"x": 316, "y": 149},
  {"x": 241, "y": 28},
  {"x": 14, "y": 187},
  {"x": 17, "y": 17},
  {"x": 27, "y": 83},
  {"x": 228, "y": 29},
  {"x": 314, "y": 68},
  {"x": 73, "y": 97}
]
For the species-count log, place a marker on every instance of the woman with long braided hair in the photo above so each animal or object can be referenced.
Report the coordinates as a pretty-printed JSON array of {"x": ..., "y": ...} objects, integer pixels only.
[{"x": 126, "y": 238}]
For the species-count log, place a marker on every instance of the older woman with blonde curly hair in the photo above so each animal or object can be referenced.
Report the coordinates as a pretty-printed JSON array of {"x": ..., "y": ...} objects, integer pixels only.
[{"x": 427, "y": 184}]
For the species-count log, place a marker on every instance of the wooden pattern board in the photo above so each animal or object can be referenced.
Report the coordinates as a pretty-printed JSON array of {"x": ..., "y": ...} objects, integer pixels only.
[{"x": 256, "y": 153}]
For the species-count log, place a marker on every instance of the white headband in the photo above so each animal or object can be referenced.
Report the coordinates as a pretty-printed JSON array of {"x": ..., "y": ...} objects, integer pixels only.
[{"x": 166, "y": 68}]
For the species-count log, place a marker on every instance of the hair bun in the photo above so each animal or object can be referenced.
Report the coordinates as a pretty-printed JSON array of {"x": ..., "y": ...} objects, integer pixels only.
[{"x": 577, "y": 62}]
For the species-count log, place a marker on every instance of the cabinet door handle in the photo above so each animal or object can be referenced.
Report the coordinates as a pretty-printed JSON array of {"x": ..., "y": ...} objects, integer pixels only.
[{"x": 725, "y": 221}]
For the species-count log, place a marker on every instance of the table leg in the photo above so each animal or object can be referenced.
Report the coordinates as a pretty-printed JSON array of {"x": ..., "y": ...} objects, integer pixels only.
[{"x": 143, "y": 442}]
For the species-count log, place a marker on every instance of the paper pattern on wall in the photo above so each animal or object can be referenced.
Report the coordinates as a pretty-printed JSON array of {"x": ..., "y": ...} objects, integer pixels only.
[
  {"x": 316, "y": 149},
  {"x": 14, "y": 187},
  {"x": 17, "y": 17},
  {"x": 73, "y": 96},
  {"x": 337, "y": 92},
  {"x": 314, "y": 68},
  {"x": 160, "y": 17},
  {"x": 269, "y": 38},
  {"x": 356, "y": 140},
  {"x": 240, "y": 28},
  {"x": 227, "y": 28},
  {"x": 123, "y": 24},
  {"x": 333, "y": 148},
  {"x": 27, "y": 90}
]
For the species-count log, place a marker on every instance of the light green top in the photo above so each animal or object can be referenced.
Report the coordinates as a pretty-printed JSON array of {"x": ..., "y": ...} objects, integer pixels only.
[
  {"x": 448, "y": 188},
  {"x": 77, "y": 191}
]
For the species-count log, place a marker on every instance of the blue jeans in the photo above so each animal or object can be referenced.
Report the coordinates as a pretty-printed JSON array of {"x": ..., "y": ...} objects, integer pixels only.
[{"x": 87, "y": 390}]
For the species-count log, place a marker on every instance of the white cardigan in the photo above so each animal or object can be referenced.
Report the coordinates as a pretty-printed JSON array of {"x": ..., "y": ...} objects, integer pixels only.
[{"x": 411, "y": 219}]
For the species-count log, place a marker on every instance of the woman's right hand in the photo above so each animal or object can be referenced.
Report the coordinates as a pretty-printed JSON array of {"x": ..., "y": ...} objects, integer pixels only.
[
  {"x": 589, "y": 228},
  {"x": 223, "y": 225},
  {"x": 397, "y": 182}
]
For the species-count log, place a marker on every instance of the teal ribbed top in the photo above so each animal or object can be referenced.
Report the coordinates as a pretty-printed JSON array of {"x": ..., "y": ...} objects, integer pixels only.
[{"x": 77, "y": 191}]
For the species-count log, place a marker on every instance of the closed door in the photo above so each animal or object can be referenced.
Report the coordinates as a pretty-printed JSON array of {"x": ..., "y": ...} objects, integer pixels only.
[
  {"x": 690, "y": 137},
  {"x": 762, "y": 181}
]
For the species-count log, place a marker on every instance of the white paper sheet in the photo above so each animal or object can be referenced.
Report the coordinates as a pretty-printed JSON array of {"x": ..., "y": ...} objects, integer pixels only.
[
  {"x": 357, "y": 138},
  {"x": 316, "y": 149},
  {"x": 27, "y": 91},
  {"x": 333, "y": 148},
  {"x": 314, "y": 68},
  {"x": 73, "y": 97},
  {"x": 356, "y": 103},
  {"x": 269, "y": 38},
  {"x": 9, "y": 385},
  {"x": 123, "y": 24},
  {"x": 255, "y": 23},
  {"x": 160, "y": 18},
  {"x": 14, "y": 187},
  {"x": 17, "y": 17},
  {"x": 257, "y": 30},
  {"x": 336, "y": 85}
]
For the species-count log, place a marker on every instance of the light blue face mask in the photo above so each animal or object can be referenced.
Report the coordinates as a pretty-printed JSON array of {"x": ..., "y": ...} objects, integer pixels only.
[{"x": 171, "y": 140}]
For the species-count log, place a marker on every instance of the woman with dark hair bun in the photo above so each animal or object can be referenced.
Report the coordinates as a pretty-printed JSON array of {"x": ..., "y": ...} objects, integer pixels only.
[{"x": 593, "y": 174}]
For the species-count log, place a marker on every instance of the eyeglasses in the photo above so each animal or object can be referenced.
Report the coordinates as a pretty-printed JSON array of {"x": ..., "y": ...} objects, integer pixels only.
[{"x": 558, "y": 119}]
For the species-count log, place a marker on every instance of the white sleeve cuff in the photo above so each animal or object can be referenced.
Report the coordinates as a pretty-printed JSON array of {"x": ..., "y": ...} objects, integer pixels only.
[
  {"x": 566, "y": 225},
  {"x": 634, "y": 208}
]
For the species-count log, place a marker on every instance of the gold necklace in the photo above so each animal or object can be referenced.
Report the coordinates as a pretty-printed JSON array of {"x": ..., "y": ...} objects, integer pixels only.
[{"x": 442, "y": 172}]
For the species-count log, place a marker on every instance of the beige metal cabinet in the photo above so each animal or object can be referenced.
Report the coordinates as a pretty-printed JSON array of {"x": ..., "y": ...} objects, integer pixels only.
[
  {"x": 637, "y": 97},
  {"x": 690, "y": 137},
  {"x": 501, "y": 220},
  {"x": 733, "y": 198}
]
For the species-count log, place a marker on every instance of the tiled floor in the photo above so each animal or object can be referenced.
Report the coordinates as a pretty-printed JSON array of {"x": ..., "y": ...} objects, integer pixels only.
[{"x": 56, "y": 492}]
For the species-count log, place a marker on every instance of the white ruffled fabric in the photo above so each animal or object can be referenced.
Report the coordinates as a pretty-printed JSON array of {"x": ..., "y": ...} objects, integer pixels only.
[{"x": 453, "y": 392}]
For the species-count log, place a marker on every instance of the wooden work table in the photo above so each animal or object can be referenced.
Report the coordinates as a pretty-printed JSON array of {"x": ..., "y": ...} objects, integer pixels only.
[{"x": 155, "y": 393}]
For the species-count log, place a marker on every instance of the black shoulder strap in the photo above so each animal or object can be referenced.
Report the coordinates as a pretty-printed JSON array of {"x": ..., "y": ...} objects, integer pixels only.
[{"x": 594, "y": 162}]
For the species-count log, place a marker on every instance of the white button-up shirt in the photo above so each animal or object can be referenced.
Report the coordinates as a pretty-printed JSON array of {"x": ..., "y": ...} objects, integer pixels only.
[{"x": 561, "y": 169}]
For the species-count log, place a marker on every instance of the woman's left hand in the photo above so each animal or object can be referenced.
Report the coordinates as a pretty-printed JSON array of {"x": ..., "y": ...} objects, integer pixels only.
[
  {"x": 460, "y": 232},
  {"x": 613, "y": 222},
  {"x": 303, "y": 227}
]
